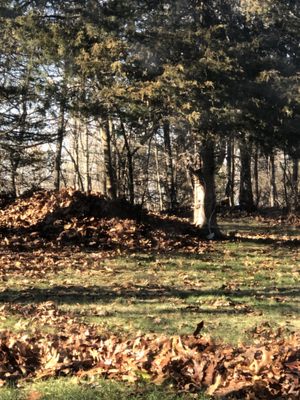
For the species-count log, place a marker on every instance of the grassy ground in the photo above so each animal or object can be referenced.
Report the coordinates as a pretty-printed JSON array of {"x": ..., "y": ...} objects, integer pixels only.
[
  {"x": 71, "y": 389},
  {"x": 237, "y": 288}
]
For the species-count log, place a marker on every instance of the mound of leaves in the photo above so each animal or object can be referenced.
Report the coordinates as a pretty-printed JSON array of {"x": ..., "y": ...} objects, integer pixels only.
[
  {"x": 71, "y": 217},
  {"x": 191, "y": 363}
]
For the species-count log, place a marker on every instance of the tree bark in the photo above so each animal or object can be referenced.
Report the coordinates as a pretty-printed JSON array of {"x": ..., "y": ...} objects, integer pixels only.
[
  {"x": 199, "y": 218},
  {"x": 129, "y": 155},
  {"x": 230, "y": 172},
  {"x": 15, "y": 152},
  {"x": 14, "y": 163},
  {"x": 146, "y": 192},
  {"x": 59, "y": 145},
  {"x": 78, "y": 181},
  {"x": 256, "y": 178},
  {"x": 171, "y": 188},
  {"x": 295, "y": 193},
  {"x": 246, "y": 194},
  {"x": 273, "y": 187},
  {"x": 285, "y": 181},
  {"x": 158, "y": 178},
  {"x": 108, "y": 181},
  {"x": 75, "y": 159},
  {"x": 87, "y": 160},
  {"x": 204, "y": 192}
]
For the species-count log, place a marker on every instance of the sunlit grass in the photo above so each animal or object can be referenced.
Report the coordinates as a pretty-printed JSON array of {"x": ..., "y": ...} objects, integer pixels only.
[
  {"x": 73, "y": 389},
  {"x": 232, "y": 288}
]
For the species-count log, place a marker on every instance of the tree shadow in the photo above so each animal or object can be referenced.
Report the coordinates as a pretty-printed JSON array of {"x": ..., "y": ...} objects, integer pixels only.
[
  {"x": 266, "y": 241},
  {"x": 234, "y": 309},
  {"x": 86, "y": 294}
]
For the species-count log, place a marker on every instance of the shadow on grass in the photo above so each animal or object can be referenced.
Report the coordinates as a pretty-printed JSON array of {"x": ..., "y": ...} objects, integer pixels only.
[
  {"x": 242, "y": 227},
  {"x": 288, "y": 243},
  {"x": 86, "y": 295},
  {"x": 228, "y": 310}
]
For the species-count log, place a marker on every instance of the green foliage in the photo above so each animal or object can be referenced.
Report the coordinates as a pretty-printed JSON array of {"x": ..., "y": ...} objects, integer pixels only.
[{"x": 218, "y": 67}]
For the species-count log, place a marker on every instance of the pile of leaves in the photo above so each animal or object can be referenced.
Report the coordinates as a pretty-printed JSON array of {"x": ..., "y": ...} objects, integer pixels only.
[
  {"x": 71, "y": 217},
  {"x": 190, "y": 363}
]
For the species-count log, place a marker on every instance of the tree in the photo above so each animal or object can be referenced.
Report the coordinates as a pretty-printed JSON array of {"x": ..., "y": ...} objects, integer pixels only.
[
  {"x": 22, "y": 99},
  {"x": 153, "y": 84}
]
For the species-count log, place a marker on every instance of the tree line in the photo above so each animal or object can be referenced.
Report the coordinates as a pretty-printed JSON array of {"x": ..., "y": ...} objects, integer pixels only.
[{"x": 153, "y": 101}]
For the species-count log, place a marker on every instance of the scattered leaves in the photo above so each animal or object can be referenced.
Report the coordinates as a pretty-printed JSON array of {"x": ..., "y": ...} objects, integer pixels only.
[{"x": 264, "y": 371}]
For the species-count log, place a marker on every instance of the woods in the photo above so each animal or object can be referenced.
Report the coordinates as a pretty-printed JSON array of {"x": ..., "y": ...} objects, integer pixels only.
[
  {"x": 117, "y": 96},
  {"x": 149, "y": 199}
]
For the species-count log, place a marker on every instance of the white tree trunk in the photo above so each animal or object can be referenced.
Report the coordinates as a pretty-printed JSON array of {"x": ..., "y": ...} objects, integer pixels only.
[{"x": 199, "y": 203}]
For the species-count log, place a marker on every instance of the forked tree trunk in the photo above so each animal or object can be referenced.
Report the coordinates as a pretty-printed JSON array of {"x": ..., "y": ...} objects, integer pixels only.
[
  {"x": 204, "y": 192},
  {"x": 78, "y": 181}
]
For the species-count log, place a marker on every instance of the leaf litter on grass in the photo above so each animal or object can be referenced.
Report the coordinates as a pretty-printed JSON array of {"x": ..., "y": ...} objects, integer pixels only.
[
  {"x": 46, "y": 233},
  {"x": 267, "y": 370}
]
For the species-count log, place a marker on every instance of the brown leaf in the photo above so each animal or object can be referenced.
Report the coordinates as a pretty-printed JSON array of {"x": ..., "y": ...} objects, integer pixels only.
[
  {"x": 212, "y": 388},
  {"x": 34, "y": 395}
]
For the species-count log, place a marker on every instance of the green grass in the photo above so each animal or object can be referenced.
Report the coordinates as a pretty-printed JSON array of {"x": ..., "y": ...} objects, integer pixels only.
[
  {"x": 72, "y": 389},
  {"x": 233, "y": 287}
]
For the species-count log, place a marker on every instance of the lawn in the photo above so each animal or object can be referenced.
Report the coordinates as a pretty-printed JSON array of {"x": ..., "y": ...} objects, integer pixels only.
[
  {"x": 242, "y": 289},
  {"x": 74, "y": 389}
]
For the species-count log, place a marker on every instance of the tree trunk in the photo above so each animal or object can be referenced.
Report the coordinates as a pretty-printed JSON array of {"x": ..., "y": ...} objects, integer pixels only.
[
  {"x": 285, "y": 181},
  {"x": 229, "y": 191},
  {"x": 204, "y": 192},
  {"x": 76, "y": 159},
  {"x": 130, "y": 176},
  {"x": 59, "y": 145},
  {"x": 78, "y": 181},
  {"x": 295, "y": 192},
  {"x": 256, "y": 178},
  {"x": 129, "y": 156},
  {"x": 14, "y": 163},
  {"x": 246, "y": 194},
  {"x": 158, "y": 178},
  {"x": 232, "y": 194},
  {"x": 108, "y": 181},
  {"x": 87, "y": 160},
  {"x": 15, "y": 153},
  {"x": 171, "y": 189},
  {"x": 199, "y": 198},
  {"x": 145, "y": 192},
  {"x": 273, "y": 187}
]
